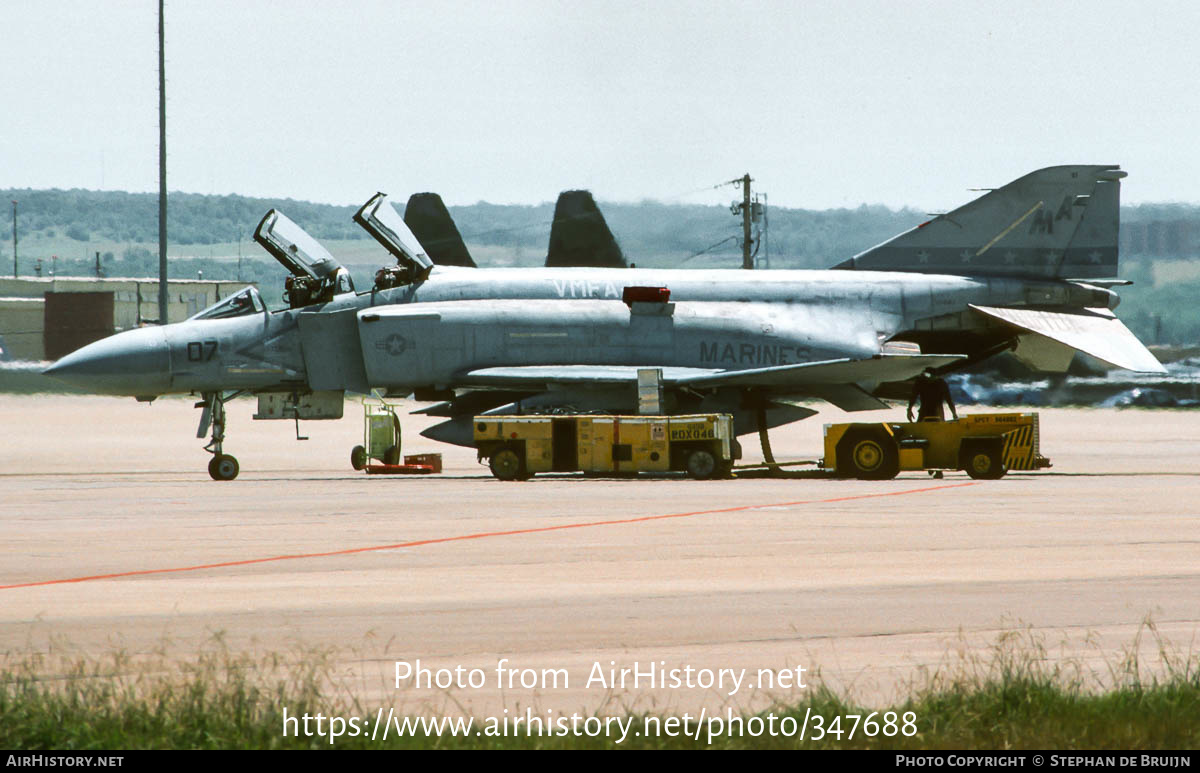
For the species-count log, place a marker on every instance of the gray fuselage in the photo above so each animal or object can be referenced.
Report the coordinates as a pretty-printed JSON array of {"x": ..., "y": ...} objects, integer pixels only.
[{"x": 460, "y": 319}]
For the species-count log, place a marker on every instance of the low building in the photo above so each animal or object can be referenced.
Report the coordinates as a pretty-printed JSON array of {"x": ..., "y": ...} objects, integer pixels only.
[{"x": 45, "y": 318}]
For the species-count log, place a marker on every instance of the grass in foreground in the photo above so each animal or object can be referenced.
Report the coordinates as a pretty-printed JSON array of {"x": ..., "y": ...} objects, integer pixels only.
[{"x": 1016, "y": 698}]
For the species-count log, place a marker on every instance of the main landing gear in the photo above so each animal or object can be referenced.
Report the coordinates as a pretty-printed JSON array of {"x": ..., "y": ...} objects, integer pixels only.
[{"x": 222, "y": 466}]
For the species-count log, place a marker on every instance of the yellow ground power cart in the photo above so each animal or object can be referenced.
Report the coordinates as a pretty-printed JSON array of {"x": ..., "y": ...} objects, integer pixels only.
[
  {"x": 380, "y": 452},
  {"x": 985, "y": 445},
  {"x": 517, "y": 447}
]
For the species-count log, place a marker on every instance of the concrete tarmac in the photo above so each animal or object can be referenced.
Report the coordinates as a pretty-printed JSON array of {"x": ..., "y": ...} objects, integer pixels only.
[{"x": 116, "y": 539}]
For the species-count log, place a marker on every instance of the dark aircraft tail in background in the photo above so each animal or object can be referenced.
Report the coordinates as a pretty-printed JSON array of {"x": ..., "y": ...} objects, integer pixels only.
[
  {"x": 579, "y": 236},
  {"x": 430, "y": 221}
]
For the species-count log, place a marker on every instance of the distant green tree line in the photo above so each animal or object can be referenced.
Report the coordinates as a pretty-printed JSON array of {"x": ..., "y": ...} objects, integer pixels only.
[
  {"x": 795, "y": 238},
  {"x": 650, "y": 233},
  {"x": 192, "y": 218}
]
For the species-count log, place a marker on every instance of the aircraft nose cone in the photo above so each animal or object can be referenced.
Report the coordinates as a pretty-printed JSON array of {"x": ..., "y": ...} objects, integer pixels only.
[{"x": 135, "y": 362}]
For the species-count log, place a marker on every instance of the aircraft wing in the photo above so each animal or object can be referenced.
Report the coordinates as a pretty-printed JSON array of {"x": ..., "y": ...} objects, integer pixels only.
[
  {"x": 880, "y": 368},
  {"x": 835, "y": 381},
  {"x": 540, "y": 376}
]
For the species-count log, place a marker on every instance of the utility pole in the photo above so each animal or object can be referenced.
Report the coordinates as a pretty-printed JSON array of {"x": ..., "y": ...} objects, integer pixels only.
[
  {"x": 162, "y": 170},
  {"x": 747, "y": 213},
  {"x": 747, "y": 260},
  {"x": 14, "y": 238},
  {"x": 765, "y": 233}
]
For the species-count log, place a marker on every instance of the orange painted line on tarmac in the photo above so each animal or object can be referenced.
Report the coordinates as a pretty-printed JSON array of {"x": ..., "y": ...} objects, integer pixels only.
[{"x": 483, "y": 535}]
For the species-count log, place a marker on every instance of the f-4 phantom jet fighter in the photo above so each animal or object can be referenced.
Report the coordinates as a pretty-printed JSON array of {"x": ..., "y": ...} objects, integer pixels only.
[{"x": 1027, "y": 267}]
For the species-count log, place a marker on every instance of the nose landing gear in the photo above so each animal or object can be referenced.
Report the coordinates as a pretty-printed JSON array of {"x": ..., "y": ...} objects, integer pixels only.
[{"x": 222, "y": 466}]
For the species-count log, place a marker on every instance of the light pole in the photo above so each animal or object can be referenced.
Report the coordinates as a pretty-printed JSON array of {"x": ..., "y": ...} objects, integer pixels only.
[{"x": 162, "y": 171}]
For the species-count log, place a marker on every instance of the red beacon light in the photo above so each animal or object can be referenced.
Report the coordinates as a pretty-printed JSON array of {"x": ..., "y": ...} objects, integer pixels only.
[{"x": 632, "y": 295}]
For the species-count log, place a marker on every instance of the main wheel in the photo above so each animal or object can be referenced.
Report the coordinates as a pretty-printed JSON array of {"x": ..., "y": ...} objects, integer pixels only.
[
  {"x": 983, "y": 461},
  {"x": 223, "y": 467},
  {"x": 701, "y": 465},
  {"x": 867, "y": 453},
  {"x": 507, "y": 464},
  {"x": 358, "y": 457}
]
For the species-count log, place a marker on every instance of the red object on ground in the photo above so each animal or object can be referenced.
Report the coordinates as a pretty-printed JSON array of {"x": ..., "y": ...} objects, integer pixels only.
[
  {"x": 425, "y": 460},
  {"x": 399, "y": 469}
]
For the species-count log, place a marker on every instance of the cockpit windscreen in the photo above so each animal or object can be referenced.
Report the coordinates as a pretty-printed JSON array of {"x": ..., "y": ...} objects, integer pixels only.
[{"x": 248, "y": 301}]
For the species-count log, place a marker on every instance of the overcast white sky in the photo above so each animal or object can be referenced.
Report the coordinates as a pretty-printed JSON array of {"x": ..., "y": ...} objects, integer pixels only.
[{"x": 826, "y": 104}]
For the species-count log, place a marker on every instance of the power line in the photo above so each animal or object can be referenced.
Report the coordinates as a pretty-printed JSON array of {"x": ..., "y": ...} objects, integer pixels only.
[
  {"x": 539, "y": 224},
  {"x": 707, "y": 249}
]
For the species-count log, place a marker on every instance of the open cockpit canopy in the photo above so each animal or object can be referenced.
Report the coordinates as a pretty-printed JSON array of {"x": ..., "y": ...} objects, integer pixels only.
[
  {"x": 316, "y": 274},
  {"x": 380, "y": 219}
]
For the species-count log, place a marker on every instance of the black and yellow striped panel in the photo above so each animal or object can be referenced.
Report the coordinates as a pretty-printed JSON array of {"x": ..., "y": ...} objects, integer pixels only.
[{"x": 1019, "y": 448}]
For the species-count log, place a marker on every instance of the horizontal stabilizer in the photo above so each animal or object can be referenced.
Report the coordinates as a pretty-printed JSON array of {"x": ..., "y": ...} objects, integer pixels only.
[{"x": 1096, "y": 332}]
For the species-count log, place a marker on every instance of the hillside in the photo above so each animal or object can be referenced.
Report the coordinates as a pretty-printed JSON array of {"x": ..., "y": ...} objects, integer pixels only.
[{"x": 65, "y": 230}]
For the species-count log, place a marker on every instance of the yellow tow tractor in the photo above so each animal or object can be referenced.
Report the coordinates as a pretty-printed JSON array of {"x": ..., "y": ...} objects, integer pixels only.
[
  {"x": 517, "y": 447},
  {"x": 985, "y": 445}
]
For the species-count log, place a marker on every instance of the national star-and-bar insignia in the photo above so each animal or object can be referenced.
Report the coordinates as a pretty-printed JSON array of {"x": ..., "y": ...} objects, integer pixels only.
[{"x": 395, "y": 344}]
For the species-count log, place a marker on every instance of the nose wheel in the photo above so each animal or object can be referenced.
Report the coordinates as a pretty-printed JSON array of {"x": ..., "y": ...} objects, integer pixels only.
[{"x": 222, "y": 466}]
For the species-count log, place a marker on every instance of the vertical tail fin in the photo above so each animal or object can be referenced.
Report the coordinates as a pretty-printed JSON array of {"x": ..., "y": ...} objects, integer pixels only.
[
  {"x": 430, "y": 221},
  {"x": 579, "y": 236},
  {"x": 1058, "y": 222}
]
